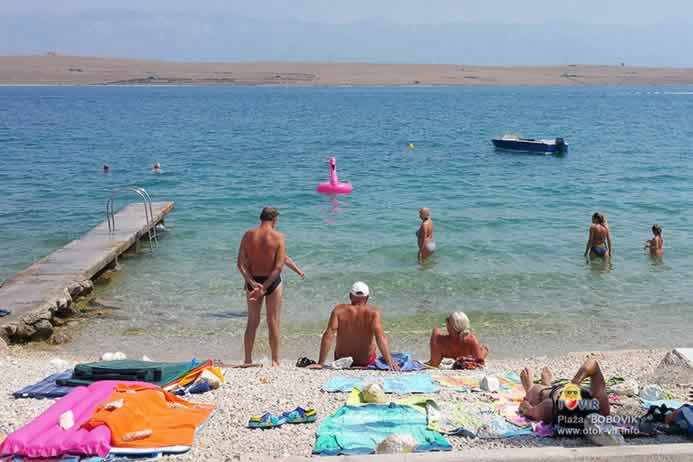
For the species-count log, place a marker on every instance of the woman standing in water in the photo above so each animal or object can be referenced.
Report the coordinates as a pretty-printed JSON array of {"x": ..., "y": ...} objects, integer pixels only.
[
  {"x": 656, "y": 244},
  {"x": 599, "y": 241},
  {"x": 425, "y": 235}
]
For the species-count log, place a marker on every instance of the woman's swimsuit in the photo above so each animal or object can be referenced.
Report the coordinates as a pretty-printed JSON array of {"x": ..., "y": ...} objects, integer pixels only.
[
  {"x": 261, "y": 280},
  {"x": 599, "y": 250},
  {"x": 430, "y": 246},
  {"x": 570, "y": 418}
]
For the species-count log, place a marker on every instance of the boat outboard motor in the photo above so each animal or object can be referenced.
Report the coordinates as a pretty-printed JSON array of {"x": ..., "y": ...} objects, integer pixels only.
[{"x": 560, "y": 145}]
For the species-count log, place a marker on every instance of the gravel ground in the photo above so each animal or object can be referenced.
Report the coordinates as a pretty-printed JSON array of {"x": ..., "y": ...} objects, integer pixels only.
[{"x": 254, "y": 391}]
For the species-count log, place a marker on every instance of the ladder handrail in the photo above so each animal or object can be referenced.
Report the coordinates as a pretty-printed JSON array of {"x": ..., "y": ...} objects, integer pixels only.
[
  {"x": 148, "y": 201},
  {"x": 110, "y": 205},
  {"x": 111, "y": 212},
  {"x": 148, "y": 211}
]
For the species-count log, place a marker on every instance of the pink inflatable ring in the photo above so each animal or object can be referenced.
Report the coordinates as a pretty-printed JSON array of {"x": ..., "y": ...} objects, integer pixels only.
[{"x": 334, "y": 186}]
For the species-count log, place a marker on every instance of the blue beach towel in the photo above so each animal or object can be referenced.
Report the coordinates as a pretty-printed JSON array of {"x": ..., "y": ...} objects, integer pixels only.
[
  {"x": 46, "y": 388},
  {"x": 359, "y": 429},
  {"x": 498, "y": 427},
  {"x": 670, "y": 403},
  {"x": 342, "y": 384},
  {"x": 401, "y": 384},
  {"x": 420, "y": 383},
  {"x": 403, "y": 360}
]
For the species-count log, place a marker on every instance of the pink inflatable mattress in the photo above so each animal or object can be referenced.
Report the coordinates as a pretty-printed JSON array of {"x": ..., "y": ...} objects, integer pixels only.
[{"x": 43, "y": 436}]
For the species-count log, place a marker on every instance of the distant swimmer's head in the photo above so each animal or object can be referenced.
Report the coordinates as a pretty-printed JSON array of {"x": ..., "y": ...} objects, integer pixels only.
[
  {"x": 359, "y": 293},
  {"x": 425, "y": 213},
  {"x": 458, "y": 324},
  {"x": 106, "y": 168},
  {"x": 657, "y": 230},
  {"x": 269, "y": 214},
  {"x": 598, "y": 218},
  {"x": 156, "y": 167}
]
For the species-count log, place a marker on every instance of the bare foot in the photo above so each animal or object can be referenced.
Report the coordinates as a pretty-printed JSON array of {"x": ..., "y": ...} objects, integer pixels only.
[
  {"x": 546, "y": 376},
  {"x": 275, "y": 363},
  {"x": 245, "y": 365},
  {"x": 526, "y": 378}
]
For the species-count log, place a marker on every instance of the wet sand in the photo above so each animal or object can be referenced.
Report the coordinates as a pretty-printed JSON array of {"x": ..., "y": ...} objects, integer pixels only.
[{"x": 79, "y": 70}]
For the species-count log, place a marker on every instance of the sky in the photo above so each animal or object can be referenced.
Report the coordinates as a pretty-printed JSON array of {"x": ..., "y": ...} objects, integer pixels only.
[{"x": 491, "y": 32}]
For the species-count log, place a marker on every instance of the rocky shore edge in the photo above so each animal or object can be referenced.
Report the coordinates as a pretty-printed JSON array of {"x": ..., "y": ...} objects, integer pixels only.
[{"x": 49, "y": 320}]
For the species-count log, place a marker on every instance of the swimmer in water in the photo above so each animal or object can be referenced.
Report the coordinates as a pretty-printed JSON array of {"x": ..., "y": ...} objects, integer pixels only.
[
  {"x": 106, "y": 168},
  {"x": 156, "y": 168},
  {"x": 424, "y": 235},
  {"x": 656, "y": 244}
]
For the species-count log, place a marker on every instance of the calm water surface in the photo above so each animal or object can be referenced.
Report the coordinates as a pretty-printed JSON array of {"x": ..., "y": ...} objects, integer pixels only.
[{"x": 510, "y": 228}]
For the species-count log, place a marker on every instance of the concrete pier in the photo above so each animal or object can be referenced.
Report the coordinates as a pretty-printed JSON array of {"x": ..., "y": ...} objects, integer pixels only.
[{"x": 41, "y": 296}]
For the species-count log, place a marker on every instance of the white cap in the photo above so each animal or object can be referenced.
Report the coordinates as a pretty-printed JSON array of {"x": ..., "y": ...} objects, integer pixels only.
[{"x": 360, "y": 289}]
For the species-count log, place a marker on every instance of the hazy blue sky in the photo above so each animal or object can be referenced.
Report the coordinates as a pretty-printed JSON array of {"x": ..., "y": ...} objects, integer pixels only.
[{"x": 451, "y": 31}]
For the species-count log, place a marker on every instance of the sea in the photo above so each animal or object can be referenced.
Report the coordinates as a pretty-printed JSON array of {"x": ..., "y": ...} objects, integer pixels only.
[{"x": 510, "y": 228}]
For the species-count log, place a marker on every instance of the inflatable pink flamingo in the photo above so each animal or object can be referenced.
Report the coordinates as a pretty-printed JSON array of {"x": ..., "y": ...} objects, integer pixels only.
[{"x": 334, "y": 186}]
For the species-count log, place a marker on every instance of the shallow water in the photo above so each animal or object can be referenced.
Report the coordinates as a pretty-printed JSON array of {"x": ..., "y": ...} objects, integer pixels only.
[{"x": 510, "y": 228}]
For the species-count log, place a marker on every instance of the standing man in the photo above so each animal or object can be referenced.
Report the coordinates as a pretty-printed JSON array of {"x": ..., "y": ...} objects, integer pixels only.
[{"x": 261, "y": 258}]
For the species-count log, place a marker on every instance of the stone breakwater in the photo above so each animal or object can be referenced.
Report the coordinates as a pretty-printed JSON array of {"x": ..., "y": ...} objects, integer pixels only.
[{"x": 44, "y": 322}]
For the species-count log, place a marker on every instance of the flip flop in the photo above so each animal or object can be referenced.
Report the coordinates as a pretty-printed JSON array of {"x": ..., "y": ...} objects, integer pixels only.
[
  {"x": 304, "y": 362},
  {"x": 300, "y": 415},
  {"x": 266, "y": 420}
]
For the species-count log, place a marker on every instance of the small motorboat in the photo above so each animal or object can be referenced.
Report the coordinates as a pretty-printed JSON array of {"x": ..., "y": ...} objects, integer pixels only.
[{"x": 515, "y": 143}]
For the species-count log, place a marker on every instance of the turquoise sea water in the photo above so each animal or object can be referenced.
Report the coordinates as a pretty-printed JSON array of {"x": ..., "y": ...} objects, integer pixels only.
[{"x": 510, "y": 228}]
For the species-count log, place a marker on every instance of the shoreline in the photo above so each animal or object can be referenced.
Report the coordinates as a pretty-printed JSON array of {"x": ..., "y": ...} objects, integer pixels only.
[
  {"x": 251, "y": 391},
  {"x": 61, "y": 70}
]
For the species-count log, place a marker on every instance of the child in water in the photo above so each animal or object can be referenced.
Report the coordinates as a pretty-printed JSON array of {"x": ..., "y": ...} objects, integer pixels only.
[{"x": 656, "y": 244}]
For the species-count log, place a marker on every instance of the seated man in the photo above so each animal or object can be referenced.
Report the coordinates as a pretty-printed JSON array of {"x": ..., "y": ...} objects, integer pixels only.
[
  {"x": 358, "y": 328},
  {"x": 566, "y": 404}
]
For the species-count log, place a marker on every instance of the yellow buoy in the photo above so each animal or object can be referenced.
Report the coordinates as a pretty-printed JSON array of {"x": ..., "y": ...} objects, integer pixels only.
[{"x": 411, "y": 146}]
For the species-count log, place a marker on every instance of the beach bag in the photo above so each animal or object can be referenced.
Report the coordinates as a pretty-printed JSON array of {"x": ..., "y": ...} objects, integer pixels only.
[{"x": 684, "y": 421}]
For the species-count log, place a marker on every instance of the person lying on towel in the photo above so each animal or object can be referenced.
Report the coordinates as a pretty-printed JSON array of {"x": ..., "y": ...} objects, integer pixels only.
[
  {"x": 358, "y": 328},
  {"x": 565, "y": 405}
]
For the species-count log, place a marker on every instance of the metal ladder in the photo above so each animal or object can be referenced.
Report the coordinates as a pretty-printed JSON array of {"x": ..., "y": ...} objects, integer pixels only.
[{"x": 148, "y": 212}]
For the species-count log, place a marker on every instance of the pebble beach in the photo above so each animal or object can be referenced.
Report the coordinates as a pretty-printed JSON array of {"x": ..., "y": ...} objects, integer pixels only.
[{"x": 257, "y": 390}]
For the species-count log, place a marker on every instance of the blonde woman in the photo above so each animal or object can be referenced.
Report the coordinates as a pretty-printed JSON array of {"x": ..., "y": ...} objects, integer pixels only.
[{"x": 459, "y": 341}]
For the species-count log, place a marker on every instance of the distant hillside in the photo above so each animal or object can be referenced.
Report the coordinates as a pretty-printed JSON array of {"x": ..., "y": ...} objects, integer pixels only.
[{"x": 204, "y": 37}]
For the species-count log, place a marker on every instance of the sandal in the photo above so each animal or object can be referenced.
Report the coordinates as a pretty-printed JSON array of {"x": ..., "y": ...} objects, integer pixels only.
[
  {"x": 304, "y": 362},
  {"x": 265, "y": 421},
  {"x": 300, "y": 415}
]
